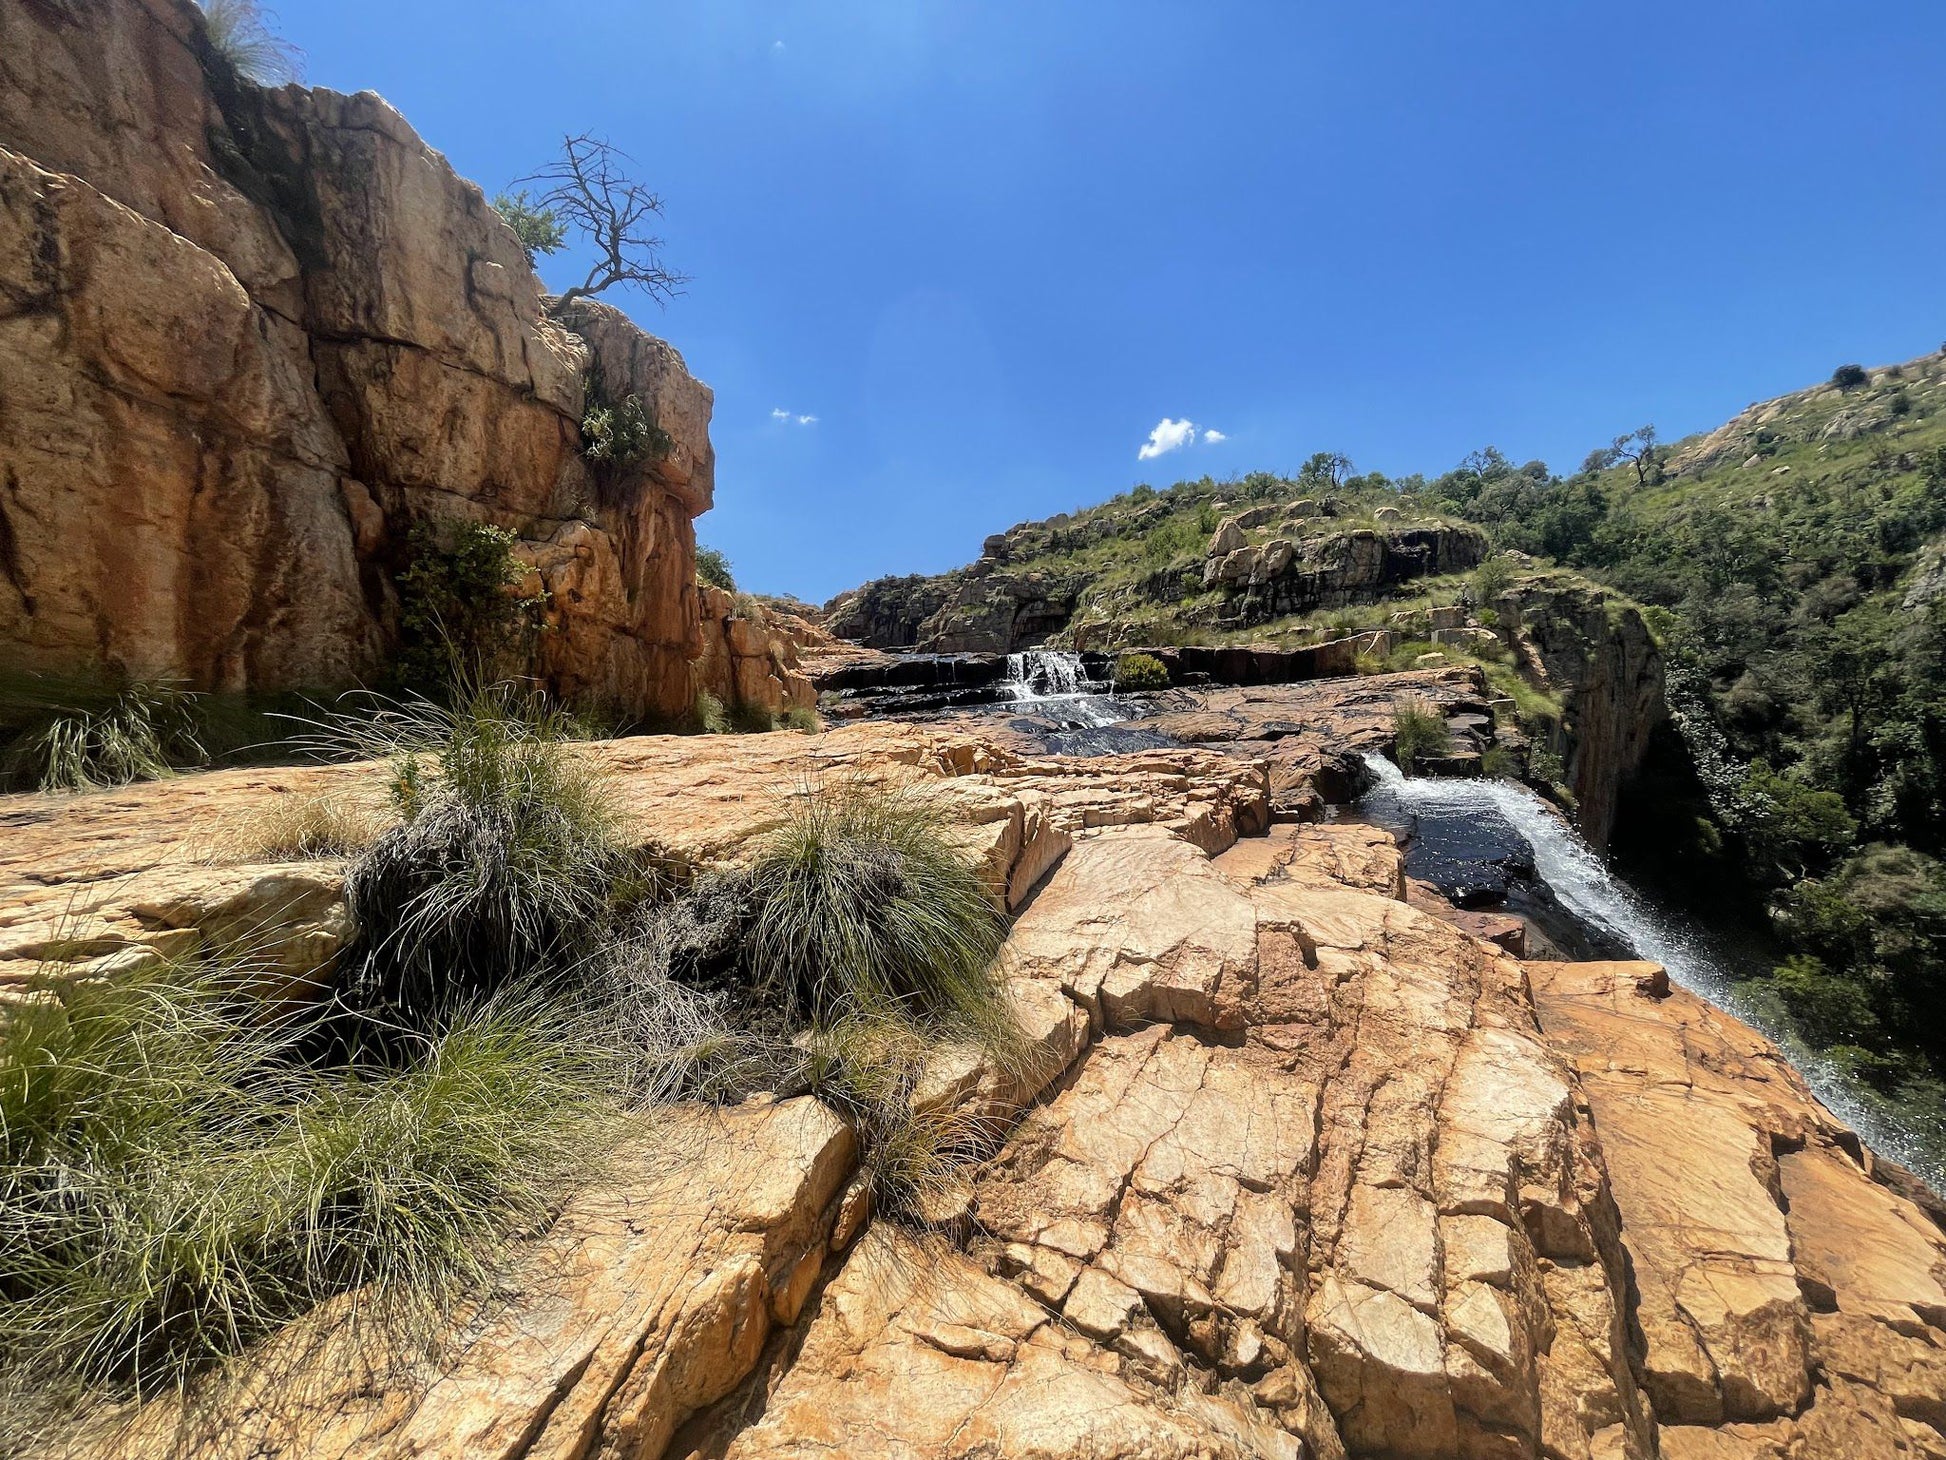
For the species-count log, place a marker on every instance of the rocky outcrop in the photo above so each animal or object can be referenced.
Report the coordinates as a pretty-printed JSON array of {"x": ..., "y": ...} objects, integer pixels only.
[
  {"x": 1301, "y": 1169},
  {"x": 985, "y": 608},
  {"x": 1593, "y": 650},
  {"x": 1791, "y": 1287},
  {"x": 1271, "y": 579},
  {"x": 1004, "y": 602},
  {"x": 750, "y": 655},
  {"x": 249, "y": 337}
]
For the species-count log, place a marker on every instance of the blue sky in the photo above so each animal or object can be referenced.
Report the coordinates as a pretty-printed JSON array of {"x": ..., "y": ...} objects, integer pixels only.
[{"x": 989, "y": 245}]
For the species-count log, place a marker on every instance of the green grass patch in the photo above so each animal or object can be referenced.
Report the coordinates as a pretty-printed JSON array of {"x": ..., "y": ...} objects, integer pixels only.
[{"x": 176, "y": 1180}]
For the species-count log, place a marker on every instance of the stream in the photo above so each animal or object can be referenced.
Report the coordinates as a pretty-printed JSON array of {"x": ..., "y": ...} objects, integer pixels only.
[{"x": 1463, "y": 834}]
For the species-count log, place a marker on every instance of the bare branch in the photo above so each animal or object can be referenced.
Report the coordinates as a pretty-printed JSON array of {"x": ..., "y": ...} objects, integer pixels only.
[{"x": 588, "y": 188}]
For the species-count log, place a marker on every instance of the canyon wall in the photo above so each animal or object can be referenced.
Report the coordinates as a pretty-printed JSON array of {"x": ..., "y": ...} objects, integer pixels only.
[
  {"x": 1594, "y": 650},
  {"x": 249, "y": 338}
]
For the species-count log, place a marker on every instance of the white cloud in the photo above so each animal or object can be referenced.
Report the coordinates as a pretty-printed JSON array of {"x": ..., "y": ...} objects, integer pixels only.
[
  {"x": 785, "y": 418},
  {"x": 777, "y": 48},
  {"x": 1212, "y": 436},
  {"x": 807, "y": 420},
  {"x": 778, "y": 413},
  {"x": 1167, "y": 436}
]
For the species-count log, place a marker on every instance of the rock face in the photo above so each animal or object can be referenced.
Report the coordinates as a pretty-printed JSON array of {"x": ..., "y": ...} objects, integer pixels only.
[
  {"x": 1304, "y": 1169},
  {"x": 1596, "y": 652},
  {"x": 1000, "y": 604},
  {"x": 750, "y": 655},
  {"x": 1792, "y": 1293},
  {"x": 249, "y": 337},
  {"x": 1278, "y": 577}
]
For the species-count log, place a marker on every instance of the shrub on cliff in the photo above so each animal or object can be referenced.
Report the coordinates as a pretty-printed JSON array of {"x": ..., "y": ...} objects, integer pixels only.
[
  {"x": 714, "y": 569},
  {"x": 176, "y": 1182},
  {"x": 503, "y": 866},
  {"x": 537, "y": 228},
  {"x": 239, "y": 31},
  {"x": 1135, "y": 673}
]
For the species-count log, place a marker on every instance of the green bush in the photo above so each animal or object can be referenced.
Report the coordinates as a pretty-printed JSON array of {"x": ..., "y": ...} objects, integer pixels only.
[
  {"x": 1138, "y": 672},
  {"x": 1419, "y": 732},
  {"x": 618, "y": 432},
  {"x": 502, "y": 868},
  {"x": 1827, "y": 1008},
  {"x": 175, "y": 1182},
  {"x": 802, "y": 719},
  {"x": 459, "y": 620},
  {"x": 538, "y": 228},
  {"x": 714, "y": 569},
  {"x": 1493, "y": 578},
  {"x": 1850, "y": 377},
  {"x": 1500, "y": 764}
]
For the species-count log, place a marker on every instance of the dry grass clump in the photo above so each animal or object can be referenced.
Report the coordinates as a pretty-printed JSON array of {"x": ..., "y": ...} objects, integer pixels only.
[{"x": 295, "y": 826}]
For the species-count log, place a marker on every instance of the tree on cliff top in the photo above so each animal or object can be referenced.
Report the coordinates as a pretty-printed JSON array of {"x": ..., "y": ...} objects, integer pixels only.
[{"x": 589, "y": 190}]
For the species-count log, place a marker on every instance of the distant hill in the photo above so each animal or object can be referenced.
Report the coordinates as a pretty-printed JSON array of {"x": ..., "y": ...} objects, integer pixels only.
[{"x": 1791, "y": 563}]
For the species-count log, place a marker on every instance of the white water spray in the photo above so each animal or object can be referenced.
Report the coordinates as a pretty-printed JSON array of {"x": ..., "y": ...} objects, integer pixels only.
[
  {"x": 1585, "y": 886},
  {"x": 1056, "y": 684}
]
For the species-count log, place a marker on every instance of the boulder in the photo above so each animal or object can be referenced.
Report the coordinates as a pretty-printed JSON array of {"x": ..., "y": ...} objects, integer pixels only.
[{"x": 1227, "y": 538}]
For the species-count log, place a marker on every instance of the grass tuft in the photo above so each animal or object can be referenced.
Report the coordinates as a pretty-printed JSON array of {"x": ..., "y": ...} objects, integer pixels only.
[
  {"x": 861, "y": 903},
  {"x": 503, "y": 867},
  {"x": 296, "y": 826},
  {"x": 102, "y": 737},
  {"x": 1419, "y": 731},
  {"x": 175, "y": 1182}
]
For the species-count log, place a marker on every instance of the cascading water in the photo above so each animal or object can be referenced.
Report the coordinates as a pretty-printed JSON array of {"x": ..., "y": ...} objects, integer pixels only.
[
  {"x": 1056, "y": 685},
  {"x": 1617, "y": 917}
]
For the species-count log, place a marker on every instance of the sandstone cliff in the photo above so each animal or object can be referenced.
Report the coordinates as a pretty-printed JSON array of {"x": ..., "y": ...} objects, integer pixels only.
[{"x": 249, "y": 337}]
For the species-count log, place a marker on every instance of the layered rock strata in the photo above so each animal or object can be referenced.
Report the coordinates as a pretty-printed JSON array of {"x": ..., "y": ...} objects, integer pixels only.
[{"x": 249, "y": 338}]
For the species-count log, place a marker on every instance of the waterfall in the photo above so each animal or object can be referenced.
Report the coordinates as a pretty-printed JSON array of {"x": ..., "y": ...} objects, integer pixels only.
[
  {"x": 1056, "y": 684},
  {"x": 1585, "y": 886}
]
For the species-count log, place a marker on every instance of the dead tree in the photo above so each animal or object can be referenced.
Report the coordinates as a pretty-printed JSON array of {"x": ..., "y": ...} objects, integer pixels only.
[{"x": 588, "y": 188}]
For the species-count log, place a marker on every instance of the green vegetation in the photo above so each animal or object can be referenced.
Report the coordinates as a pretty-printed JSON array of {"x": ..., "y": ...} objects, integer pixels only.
[
  {"x": 1792, "y": 565},
  {"x": 618, "y": 432},
  {"x": 502, "y": 868},
  {"x": 176, "y": 1181},
  {"x": 68, "y": 735},
  {"x": 459, "y": 619},
  {"x": 537, "y": 227},
  {"x": 714, "y": 569},
  {"x": 860, "y": 903},
  {"x": 1138, "y": 672},
  {"x": 1419, "y": 732}
]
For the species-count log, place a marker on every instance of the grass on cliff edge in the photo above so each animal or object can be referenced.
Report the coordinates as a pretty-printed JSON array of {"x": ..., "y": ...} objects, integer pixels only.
[{"x": 176, "y": 1180}]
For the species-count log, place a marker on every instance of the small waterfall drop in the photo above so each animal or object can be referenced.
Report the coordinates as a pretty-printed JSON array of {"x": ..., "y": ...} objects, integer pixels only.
[
  {"x": 1617, "y": 914},
  {"x": 1056, "y": 684}
]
